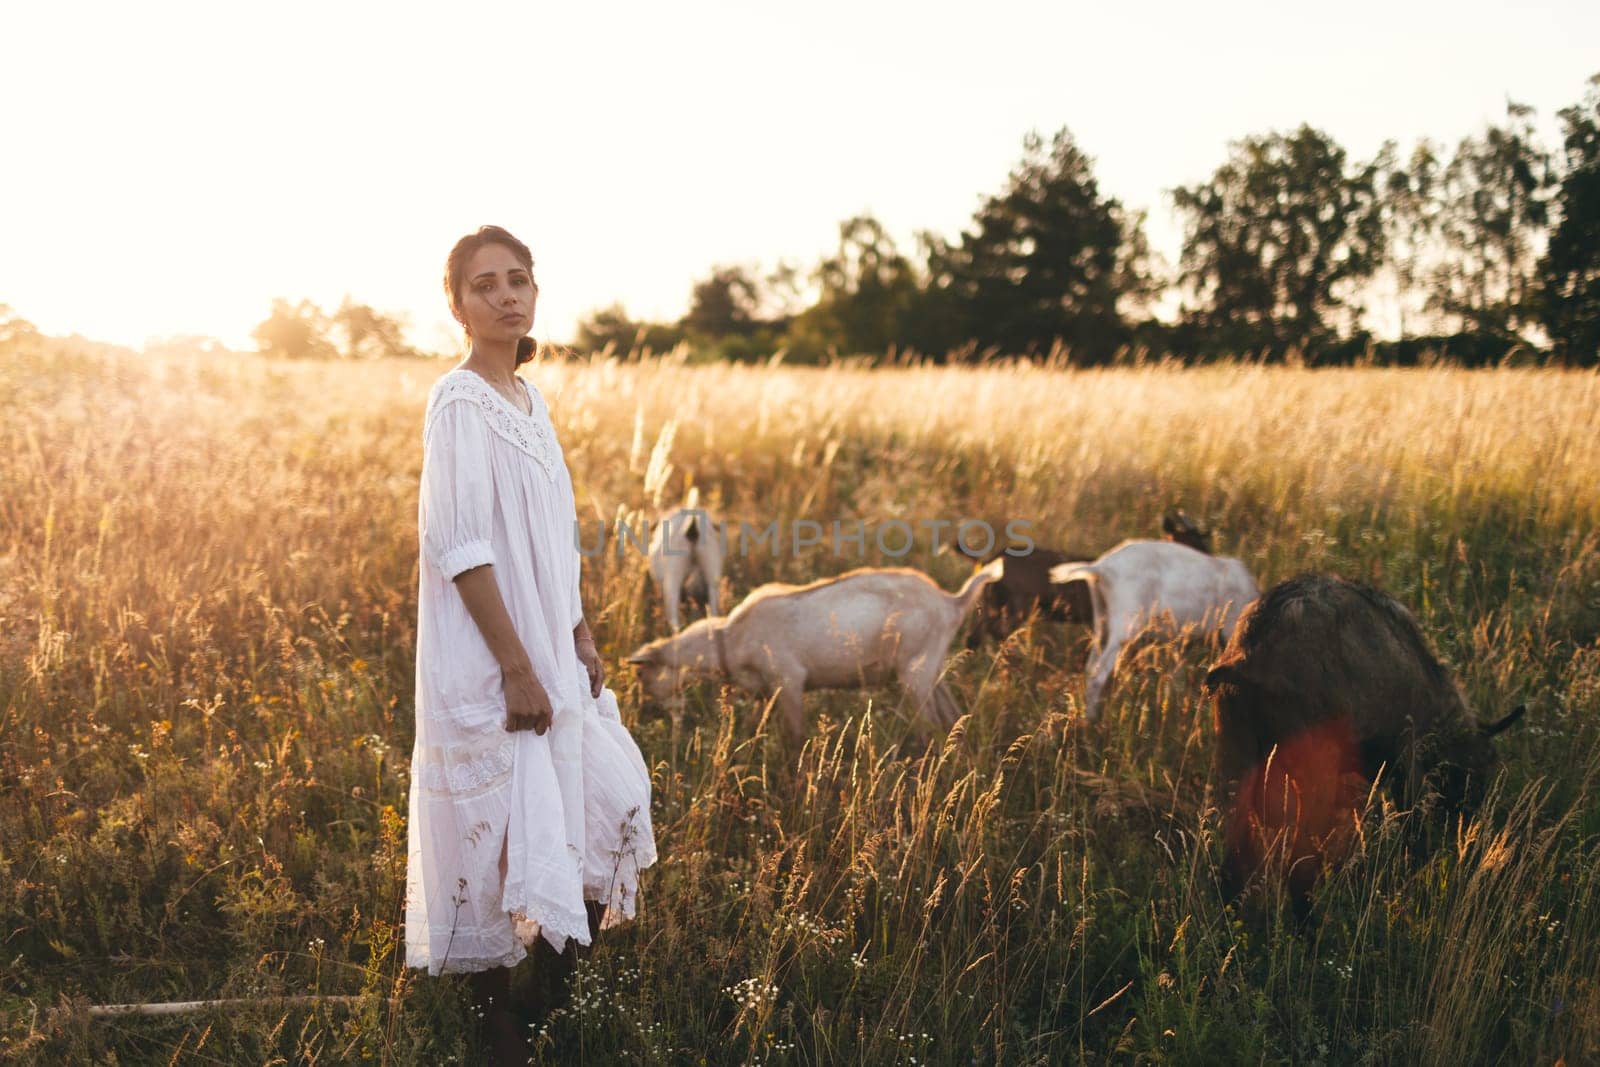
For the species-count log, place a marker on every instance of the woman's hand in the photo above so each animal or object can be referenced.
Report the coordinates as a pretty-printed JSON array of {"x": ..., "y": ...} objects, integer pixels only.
[
  {"x": 527, "y": 704},
  {"x": 589, "y": 656}
]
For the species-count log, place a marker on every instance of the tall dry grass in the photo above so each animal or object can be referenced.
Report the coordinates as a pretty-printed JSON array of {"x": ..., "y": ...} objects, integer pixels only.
[{"x": 206, "y": 631}]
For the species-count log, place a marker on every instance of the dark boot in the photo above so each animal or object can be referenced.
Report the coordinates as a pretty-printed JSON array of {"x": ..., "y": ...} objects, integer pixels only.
[
  {"x": 503, "y": 1029},
  {"x": 596, "y": 913},
  {"x": 550, "y": 984},
  {"x": 551, "y": 981}
]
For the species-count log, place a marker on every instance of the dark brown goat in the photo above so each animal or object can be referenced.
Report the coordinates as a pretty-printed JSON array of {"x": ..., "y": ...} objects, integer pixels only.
[
  {"x": 1324, "y": 683},
  {"x": 1024, "y": 587},
  {"x": 1177, "y": 526}
]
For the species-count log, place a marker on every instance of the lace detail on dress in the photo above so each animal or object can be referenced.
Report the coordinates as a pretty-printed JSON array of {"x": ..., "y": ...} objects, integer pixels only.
[
  {"x": 532, "y": 434},
  {"x": 471, "y": 964},
  {"x": 460, "y": 776},
  {"x": 558, "y": 925}
]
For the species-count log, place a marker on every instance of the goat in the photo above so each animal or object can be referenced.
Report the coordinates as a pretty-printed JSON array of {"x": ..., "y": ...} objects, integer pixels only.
[
  {"x": 1025, "y": 587},
  {"x": 1324, "y": 683},
  {"x": 686, "y": 561},
  {"x": 1181, "y": 529},
  {"x": 862, "y": 628},
  {"x": 1141, "y": 586}
]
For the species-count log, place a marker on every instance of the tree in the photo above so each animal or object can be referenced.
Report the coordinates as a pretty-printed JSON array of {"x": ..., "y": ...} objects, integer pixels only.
[
  {"x": 866, "y": 290},
  {"x": 1276, "y": 240},
  {"x": 1410, "y": 208},
  {"x": 295, "y": 331},
  {"x": 612, "y": 327},
  {"x": 14, "y": 327},
  {"x": 1569, "y": 273},
  {"x": 1494, "y": 193},
  {"x": 368, "y": 334},
  {"x": 727, "y": 303},
  {"x": 1048, "y": 260},
  {"x": 786, "y": 291}
]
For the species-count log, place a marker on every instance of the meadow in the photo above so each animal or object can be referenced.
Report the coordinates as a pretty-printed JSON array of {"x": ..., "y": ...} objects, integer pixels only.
[{"x": 207, "y": 624}]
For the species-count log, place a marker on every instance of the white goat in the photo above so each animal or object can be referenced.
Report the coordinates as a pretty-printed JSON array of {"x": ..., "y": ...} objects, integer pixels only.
[
  {"x": 1154, "y": 585},
  {"x": 686, "y": 558},
  {"x": 865, "y": 627}
]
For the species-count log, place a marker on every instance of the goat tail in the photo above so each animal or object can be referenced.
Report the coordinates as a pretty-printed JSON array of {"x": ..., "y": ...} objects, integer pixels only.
[
  {"x": 981, "y": 576},
  {"x": 1062, "y": 573},
  {"x": 1491, "y": 728}
]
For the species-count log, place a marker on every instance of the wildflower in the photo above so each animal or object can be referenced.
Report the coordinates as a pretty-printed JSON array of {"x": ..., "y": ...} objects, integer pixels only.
[{"x": 752, "y": 994}]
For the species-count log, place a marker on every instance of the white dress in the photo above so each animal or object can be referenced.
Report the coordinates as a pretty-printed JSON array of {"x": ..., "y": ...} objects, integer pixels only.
[{"x": 509, "y": 832}]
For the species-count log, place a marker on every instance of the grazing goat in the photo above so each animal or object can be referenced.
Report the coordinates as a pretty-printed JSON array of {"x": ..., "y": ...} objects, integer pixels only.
[
  {"x": 1141, "y": 586},
  {"x": 861, "y": 628},
  {"x": 686, "y": 561},
  {"x": 1180, "y": 528},
  {"x": 1025, "y": 587},
  {"x": 1324, "y": 683}
]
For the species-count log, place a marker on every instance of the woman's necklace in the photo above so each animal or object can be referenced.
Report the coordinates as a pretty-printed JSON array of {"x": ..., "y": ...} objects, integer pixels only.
[
  {"x": 509, "y": 391},
  {"x": 512, "y": 393}
]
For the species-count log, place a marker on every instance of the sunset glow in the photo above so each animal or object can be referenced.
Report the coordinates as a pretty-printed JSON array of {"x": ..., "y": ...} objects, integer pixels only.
[{"x": 175, "y": 168}]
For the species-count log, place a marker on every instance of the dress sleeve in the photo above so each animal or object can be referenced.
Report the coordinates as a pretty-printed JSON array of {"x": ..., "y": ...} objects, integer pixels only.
[
  {"x": 576, "y": 608},
  {"x": 456, "y": 511}
]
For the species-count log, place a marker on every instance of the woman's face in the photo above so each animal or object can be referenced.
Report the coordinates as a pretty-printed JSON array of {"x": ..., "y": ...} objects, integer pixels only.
[{"x": 497, "y": 296}]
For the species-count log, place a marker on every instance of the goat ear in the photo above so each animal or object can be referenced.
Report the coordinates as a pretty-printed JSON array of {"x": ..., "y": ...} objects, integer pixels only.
[
  {"x": 1178, "y": 522},
  {"x": 643, "y": 656},
  {"x": 1220, "y": 675}
]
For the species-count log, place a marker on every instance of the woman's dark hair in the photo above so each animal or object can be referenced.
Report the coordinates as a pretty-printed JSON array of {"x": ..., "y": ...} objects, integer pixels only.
[{"x": 455, "y": 271}]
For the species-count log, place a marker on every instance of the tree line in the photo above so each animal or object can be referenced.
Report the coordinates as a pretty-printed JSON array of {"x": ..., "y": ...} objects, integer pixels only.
[
  {"x": 302, "y": 330},
  {"x": 1481, "y": 252}
]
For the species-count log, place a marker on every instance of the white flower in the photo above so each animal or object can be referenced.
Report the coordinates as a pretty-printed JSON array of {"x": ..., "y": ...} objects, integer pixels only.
[{"x": 752, "y": 994}]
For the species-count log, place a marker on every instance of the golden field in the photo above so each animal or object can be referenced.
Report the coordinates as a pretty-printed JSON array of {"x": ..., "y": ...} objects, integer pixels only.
[{"x": 207, "y": 608}]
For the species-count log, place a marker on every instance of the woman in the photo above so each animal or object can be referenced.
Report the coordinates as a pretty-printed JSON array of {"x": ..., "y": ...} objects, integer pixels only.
[{"x": 530, "y": 804}]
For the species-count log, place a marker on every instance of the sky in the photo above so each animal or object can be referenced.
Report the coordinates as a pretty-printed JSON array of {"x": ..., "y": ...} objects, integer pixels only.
[{"x": 173, "y": 167}]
